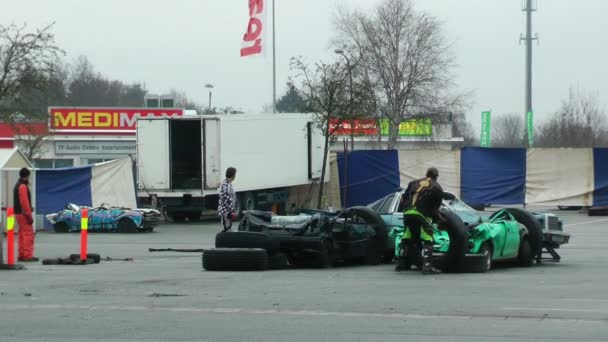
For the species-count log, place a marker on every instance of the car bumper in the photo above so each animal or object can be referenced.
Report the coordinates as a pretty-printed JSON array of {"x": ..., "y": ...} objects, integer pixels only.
[{"x": 556, "y": 238}]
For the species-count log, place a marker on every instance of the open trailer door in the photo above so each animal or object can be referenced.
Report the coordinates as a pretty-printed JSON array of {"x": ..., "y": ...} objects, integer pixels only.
[
  {"x": 211, "y": 159},
  {"x": 153, "y": 162}
]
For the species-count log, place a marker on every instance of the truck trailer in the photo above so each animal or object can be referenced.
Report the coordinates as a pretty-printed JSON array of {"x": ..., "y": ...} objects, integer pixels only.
[{"x": 181, "y": 161}]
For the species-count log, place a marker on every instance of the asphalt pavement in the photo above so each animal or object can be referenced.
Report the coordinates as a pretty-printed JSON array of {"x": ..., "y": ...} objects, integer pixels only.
[{"x": 167, "y": 296}]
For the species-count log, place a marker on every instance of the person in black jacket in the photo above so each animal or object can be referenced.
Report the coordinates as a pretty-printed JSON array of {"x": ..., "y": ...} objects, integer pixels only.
[
  {"x": 22, "y": 203},
  {"x": 421, "y": 202}
]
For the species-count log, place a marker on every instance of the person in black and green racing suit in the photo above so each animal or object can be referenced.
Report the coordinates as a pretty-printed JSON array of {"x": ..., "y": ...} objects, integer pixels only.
[{"x": 420, "y": 202}]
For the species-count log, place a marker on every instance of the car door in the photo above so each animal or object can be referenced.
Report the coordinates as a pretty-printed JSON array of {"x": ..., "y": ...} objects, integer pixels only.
[{"x": 512, "y": 240}]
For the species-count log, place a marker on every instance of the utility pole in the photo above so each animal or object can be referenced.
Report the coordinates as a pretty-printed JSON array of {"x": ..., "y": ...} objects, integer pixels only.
[
  {"x": 274, "y": 63},
  {"x": 529, "y": 8}
]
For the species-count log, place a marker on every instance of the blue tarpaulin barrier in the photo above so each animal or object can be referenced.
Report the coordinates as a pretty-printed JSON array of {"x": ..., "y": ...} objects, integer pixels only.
[
  {"x": 493, "y": 176},
  {"x": 367, "y": 176},
  {"x": 55, "y": 188},
  {"x": 600, "y": 171}
]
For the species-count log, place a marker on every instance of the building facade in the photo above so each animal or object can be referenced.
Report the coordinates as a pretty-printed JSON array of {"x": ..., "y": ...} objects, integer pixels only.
[{"x": 76, "y": 136}]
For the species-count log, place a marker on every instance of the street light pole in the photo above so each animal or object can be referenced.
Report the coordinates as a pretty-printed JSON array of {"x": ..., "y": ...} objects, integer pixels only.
[
  {"x": 209, "y": 86},
  {"x": 350, "y": 103}
]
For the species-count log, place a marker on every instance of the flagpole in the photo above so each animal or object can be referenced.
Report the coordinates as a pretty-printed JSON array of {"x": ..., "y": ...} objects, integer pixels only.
[{"x": 274, "y": 64}]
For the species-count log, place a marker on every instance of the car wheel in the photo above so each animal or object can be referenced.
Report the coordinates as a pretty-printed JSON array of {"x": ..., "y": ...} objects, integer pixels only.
[
  {"x": 524, "y": 257},
  {"x": 235, "y": 259},
  {"x": 487, "y": 252},
  {"x": 178, "y": 217},
  {"x": 372, "y": 254},
  {"x": 127, "y": 226},
  {"x": 326, "y": 258},
  {"x": 61, "y": 227}
]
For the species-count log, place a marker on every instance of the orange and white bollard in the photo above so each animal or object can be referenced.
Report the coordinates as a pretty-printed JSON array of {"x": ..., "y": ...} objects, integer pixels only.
[
  {"x": 84, "y": 228},
  {"x": 10, "y": 236},
  {"x": 10, "y": 243}
]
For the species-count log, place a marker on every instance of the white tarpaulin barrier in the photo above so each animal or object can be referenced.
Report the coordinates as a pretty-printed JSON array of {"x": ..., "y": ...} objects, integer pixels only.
[
  {"x": 112, "y": 183},
  {"x": 414, "y": 163},
  {"x": 562, "y": 176}
]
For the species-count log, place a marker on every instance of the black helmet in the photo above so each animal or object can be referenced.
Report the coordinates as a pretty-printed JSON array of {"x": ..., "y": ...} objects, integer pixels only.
[{"x": 432, "y": 173}]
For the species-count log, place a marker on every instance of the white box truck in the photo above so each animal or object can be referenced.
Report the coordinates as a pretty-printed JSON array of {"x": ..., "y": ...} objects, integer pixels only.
[{"x": 181, "y": 161}]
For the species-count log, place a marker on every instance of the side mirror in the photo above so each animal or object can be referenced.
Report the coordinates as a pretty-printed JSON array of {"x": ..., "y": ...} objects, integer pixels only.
[{"x": 448, "y": 196}]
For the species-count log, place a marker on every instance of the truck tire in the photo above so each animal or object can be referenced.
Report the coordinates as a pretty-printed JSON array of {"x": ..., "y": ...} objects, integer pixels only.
[
  {"x": 248, "y": 202},
  {"x": 535, "y": 230},
  {"x": 453, "y": 259},
  {"x": 247, "y": 240},
  {"x": 524, "y": 257},
  {"x": 235, "y": 259}
]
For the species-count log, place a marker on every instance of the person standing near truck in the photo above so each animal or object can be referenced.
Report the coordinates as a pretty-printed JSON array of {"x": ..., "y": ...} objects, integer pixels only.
[
  {"x": 227, "y": 200},
  {"x": 22, "y": 202}
]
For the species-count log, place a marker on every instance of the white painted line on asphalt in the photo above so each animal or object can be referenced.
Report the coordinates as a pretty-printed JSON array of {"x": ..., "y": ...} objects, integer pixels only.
[
  {"x": 583, "y": 300},
  {"x": 584, "y": 223},
  {"x": 312, "y": 313},
  {"x": 556, "y": 309}
]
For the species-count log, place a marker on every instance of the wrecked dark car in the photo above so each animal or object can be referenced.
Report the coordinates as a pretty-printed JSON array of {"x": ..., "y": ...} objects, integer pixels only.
[{"x": 322, "y": 239}]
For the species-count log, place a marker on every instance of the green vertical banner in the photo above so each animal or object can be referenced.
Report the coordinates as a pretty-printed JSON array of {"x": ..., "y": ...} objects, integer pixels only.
[
  {"x": 530, "y": 128},
  {"x": 485, "y": 129}
]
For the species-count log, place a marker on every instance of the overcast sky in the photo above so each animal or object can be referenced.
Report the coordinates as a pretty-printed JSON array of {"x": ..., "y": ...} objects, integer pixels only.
[{"x": 185, "y": 44}]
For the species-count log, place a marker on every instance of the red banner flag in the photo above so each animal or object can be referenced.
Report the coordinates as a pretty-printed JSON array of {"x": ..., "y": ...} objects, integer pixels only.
[{"x": 253, "y": 37}]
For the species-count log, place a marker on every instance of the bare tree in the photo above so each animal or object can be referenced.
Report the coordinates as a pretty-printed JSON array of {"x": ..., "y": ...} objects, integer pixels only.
[
  {"x": 30, "y": 138},
  {"x": 580, "y": 122},
  {"x": 27, "y": 61},
  {"x": 508, "y": 131},
  {"x": 324, "y": 87},
  {"x": 406, "y": 56}
]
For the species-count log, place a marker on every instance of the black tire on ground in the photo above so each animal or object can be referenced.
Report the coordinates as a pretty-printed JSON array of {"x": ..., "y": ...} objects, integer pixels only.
[
  {"x": 247, "y": 240},
  {"x": 127, "y": 226},
  {"x": 235, "y": 259},
  {"x": 524, "y": 257},
  {"x": 535, "y": 230},
  {"x": 61, "y": 227},
  {"x": 453, "y": 259},
  {"x": 93, "y": 256},
  {"x": 277, "y": 261}
]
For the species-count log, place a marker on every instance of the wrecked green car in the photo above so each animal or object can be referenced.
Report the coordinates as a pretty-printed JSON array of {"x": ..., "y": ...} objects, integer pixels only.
[{"x": 473, "y": 241}]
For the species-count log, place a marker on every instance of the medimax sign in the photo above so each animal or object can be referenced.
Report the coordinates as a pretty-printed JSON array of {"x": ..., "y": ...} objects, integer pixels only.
[{"x": 108, "y": 120}]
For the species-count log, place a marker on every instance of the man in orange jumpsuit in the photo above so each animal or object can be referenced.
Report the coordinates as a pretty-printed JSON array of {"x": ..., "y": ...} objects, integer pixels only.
[{"x": 22, "y": 200}]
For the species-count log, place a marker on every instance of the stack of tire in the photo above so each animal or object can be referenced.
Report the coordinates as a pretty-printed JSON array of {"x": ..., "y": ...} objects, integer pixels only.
[{"x": 244, "y": 251}]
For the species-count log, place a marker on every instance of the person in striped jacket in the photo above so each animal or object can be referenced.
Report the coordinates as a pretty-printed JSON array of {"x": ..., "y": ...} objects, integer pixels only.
[{"x": 227, "y": 201}]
